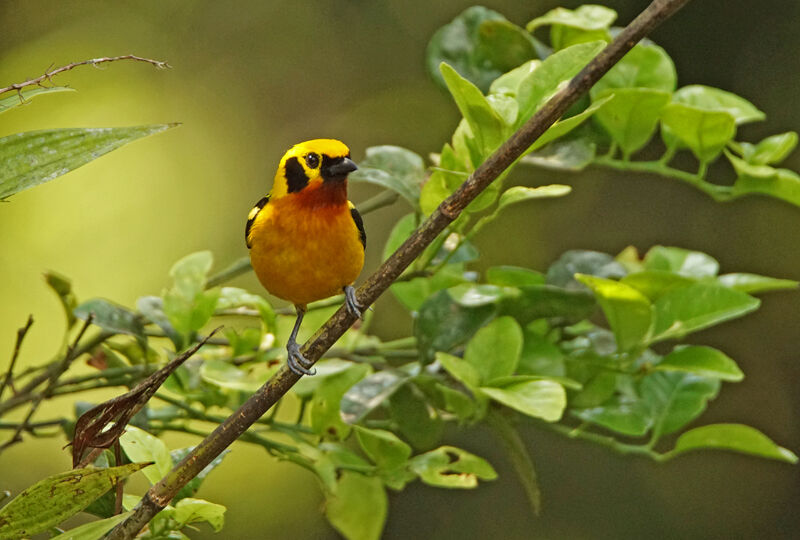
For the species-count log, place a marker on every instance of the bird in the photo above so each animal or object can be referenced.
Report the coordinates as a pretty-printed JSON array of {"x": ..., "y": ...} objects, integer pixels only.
[{"x": 306, "y": 240}]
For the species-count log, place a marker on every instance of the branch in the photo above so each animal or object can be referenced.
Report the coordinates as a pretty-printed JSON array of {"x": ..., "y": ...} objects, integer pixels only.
[
  {"x": 51, "y": 382},
  {"x": 94, "y": 62},
  {"x": 235, "y": 425},
  {"x": 10, "y": 373}
]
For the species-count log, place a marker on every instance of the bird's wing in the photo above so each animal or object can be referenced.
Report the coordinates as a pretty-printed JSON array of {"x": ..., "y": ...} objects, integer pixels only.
[
  {"x": 362, "y": 234},
  {"x": 251, "y": 218}
]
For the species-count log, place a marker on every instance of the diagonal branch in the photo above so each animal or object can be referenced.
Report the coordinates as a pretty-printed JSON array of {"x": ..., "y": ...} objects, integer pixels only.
[
  {"x": 234, "y": 426},
  {"x": 94, "y": 62}
]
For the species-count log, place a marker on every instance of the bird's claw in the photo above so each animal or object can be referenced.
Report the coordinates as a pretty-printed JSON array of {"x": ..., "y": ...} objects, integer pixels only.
[
  {"x": 297, "y": 362},
  {"x": 350, "y": 302}
]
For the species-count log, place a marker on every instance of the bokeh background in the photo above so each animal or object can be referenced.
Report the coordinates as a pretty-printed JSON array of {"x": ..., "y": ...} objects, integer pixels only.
[{"x": 249, "y": 79}]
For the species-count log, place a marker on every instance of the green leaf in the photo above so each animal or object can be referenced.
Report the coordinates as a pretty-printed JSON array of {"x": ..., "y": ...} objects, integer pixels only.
[
  {"x": 358, "y": 508},
  {"x": 194, "y": 484},
  {"x": 140, "y": 446},
  {"x": 472, "y": 44},
  {"x": 579, "y": 261},
  {"x": 714, "y": 99},
  {"x": 645, "y": 66},
  {"x": 704, "y": 132},
  {"x": 780, "y": 183},
  {"x": 654, "y": 283},
  {"x": 460, "y": 369},
  {"x": 451, "y": 467},
  {"x": 631, "y": 117},
  {"x": 417, "y": 421},
  {"x": 369, "y": 393},
  {"x": 187, "y": 304},
  {"x": 231, "y": 298},
  {"x": 586, "y": 17},
  {"x": 324, "y": 407},
  {"x": 384, "y": 448},
  {"x": 15, "y": 100},
  {"x": 544, "y": 81},
  {"x": 513, "y": 276},
  {"x": 494, "y": 350},
  {"x": 564, "y": 126},
  {"x": 573, "y": 154},
  {"x": 598, "y": 387},
  {"x": 734, "y": 437},
  {"x": 537, "y": 301},
  {"x": 191, "y": 510},
  {"x": 477, "y": 294},
  {"x": 35, "y": 157},
  {"x": 771, "y": 150},
  {"x": 676, "y": 399},
  {"x": 705, "y": 361},
  {"x": 224, "y": 374},
  {"x": 50, "y": 501},
  {"x": 518, "y": 194},
  {"x": 753, "y": 283},
  {"x": 400, "y": 232},
  {"x": 700, "y": 305},
  {"x": 94, "y": 530},
  {"x": 442, "y": 323},
  {"x": 394, "y": 168},
  {"x": 629, "y": 312},
  {"x": 692, "y": 264},
  {"x": 543, "y": 399},
  {"x": 507, "y": 84},
  {"x": 504, "y": 44},
  {"x": 63, "y": 288},
  {"x": 540, "y": 357},
  {"x": 625, "y": 415},
  {"x": 152, "y": 307},
  {"x": 113, "y": 318},
  {"x": 485, "y": 124}
]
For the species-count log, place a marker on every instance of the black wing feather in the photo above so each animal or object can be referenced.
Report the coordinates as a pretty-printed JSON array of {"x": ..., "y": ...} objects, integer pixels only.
[
  {"x": 252, "y": 218},
  {"x": 362, "y": 234}
]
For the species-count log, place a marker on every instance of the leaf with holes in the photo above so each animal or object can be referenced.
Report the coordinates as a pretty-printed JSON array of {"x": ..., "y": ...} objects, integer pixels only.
[
  {"x": 54, "y": 499},
  {"x": 451, "y": 467}
]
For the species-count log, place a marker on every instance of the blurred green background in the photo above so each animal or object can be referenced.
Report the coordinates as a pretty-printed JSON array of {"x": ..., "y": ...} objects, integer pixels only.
[{"x": 251, "y": 78}]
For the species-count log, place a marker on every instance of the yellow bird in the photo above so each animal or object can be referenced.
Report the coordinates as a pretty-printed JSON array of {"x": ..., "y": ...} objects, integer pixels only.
[{"x": 306, "y": 239}]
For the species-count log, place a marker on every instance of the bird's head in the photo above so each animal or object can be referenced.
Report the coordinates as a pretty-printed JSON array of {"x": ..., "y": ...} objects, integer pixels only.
[{"x": 310, "y": 165}]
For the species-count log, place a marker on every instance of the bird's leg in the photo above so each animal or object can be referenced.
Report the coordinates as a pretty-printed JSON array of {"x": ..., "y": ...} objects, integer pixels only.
[
  {"x": 297, "y": 362},
  {"x": 350, "y": 301}
]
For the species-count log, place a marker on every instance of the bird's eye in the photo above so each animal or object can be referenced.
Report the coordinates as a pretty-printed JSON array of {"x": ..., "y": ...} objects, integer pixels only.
[{"x": 312, "y": 160}]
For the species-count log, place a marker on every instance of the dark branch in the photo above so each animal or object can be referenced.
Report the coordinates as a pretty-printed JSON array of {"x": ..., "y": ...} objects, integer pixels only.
[
  {"x": 226, "y": 433},
  {"x": 8, "y": 381}
]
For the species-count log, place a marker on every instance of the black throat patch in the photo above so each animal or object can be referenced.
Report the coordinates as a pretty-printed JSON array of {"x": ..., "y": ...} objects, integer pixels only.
[{"x": 296, "y": 178}]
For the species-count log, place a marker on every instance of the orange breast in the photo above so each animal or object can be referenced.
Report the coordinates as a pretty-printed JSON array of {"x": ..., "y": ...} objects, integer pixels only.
[{"x": 306, "y": 248}]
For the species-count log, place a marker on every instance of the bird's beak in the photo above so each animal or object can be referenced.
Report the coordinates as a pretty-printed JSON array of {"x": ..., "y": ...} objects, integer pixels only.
[{"x": 337, "y": 169}]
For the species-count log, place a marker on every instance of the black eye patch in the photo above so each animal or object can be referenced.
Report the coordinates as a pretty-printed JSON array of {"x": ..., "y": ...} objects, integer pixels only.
[
  {"x": 296, "y": 178},
  {"x": 312, "y": 160}
]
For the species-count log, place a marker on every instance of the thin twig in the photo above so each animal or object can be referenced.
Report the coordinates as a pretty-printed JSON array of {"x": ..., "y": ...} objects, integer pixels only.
[
  {"x": 21, "y": 333},
  {"x": 159, "y": 495},
  {"x": 26, "y": 393},
  {"x": 94, "y": 62},
  {"x": 54, "y": 375}
]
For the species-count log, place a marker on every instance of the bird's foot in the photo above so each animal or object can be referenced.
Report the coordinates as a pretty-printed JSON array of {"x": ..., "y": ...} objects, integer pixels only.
[
  {"x": 353, "y": 307},
  {"x": 297, "y": 362}
]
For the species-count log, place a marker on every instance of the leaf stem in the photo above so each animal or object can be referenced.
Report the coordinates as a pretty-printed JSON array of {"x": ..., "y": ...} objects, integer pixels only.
[{"x": 716, "y": 192}]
